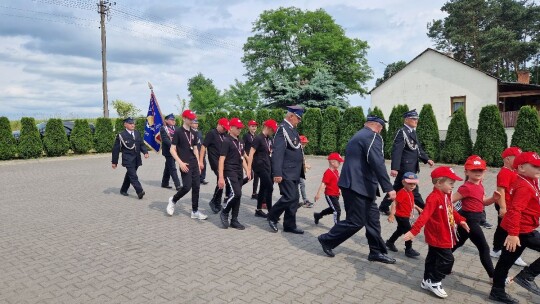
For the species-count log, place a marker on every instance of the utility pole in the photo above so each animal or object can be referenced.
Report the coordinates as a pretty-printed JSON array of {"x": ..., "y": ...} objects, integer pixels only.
[{"x": 103, "y": 10}]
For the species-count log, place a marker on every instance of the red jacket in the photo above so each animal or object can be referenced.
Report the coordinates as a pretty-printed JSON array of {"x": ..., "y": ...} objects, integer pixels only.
[
  {"x": 523, "y": 208},
  {"x": 438, "y": 231}
]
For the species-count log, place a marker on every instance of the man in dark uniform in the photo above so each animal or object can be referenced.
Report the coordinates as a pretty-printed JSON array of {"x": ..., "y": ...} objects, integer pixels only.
[
  {"x": 195, "y": 127},
  {"x": 406, "y": 151},
  {"x": 287, "y": 169},
  {"x": 212, "y": 142},
  {"x": 248, "y": 142},
  {"x": 131, "y": 144},
  {"x": 170, "y": 171},
  {"x": 362, "y": 171}
]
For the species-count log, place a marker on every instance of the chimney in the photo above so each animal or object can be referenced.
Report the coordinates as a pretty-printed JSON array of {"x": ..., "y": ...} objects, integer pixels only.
[{"x": 523, "y": 76}]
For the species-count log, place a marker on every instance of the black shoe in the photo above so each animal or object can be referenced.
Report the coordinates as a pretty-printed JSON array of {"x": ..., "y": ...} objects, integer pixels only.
[
  {"x": 124, "y": 193},
  {"x": 391, "y": 246},
  {"x": 273, "y": 226},
  {"x": 294, "y": 230},
  {"x": 213, "y": 207},
  {"x": 204, "y": 182},
  {"x": 178, "y": 188},
  {"x": 526, "y": 280},
  {"x": 308, "y": 204},
  {"x": 487, "y": 225},
  {"x": 385, "y": 212},
  {"x": 140, "y": 194},
  {"x": 325, "y": 248},
  {"x": 411, "y": 253},
  {"x": 224, "y": 219},
  {"x": 236, "y": 225},
  {"x": 381, "y": 257},
  {"x": 260, "y": 213},
  {"x": 166, "y": 186},
  {"x": 254, "y": 196},
  {"x": 499, "y": 295},
  {"x": 316, "y": 217}
]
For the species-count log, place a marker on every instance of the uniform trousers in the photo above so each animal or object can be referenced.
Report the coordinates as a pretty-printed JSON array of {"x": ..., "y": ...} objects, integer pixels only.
[
  {"x": 333, "y": 207},
  {"x": 439, "y": 263},
  {"x": 233, "y": 182},
  {"x": 191, "y": 180},
  {"x": 131, "y": 178},
  {"x": 218, "y": 193},
  {"x": 500, "y": 233},
  {"x": 170, "y": 171},
  {"x": 303, "y": 188},
  {"x": 403, "y": 226},
  {"x": 288, "y": 204},
  {"x": 255, "y": 181},
  {"x": 266, "y": 189},
  {"x": 398, "y": 185}
]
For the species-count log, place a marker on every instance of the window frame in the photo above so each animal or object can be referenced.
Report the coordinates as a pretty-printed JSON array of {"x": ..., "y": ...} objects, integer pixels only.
[{"x": 453, "y": 101}]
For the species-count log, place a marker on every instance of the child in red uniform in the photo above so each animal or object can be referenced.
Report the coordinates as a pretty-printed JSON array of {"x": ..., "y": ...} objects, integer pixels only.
[
  {"x": 402, "y": 210},
  {"x": 331, "y": 190},
  {"x": 440, "y": 220},
  {"x": 521, "y": 221}
]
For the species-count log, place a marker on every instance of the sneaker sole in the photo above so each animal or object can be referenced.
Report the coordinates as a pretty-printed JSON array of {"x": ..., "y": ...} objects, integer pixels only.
[{"x": 424, "y": 286}]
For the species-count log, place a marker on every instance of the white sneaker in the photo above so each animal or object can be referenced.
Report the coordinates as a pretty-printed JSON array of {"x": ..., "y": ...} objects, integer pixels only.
[
  {"x": 495, "y": 254},
  {"x": 170, "y": 206},
  {"x": 436, "y": 288},
  {"x": 198, "y": 215},
  {"x": 520, "y": 262}
]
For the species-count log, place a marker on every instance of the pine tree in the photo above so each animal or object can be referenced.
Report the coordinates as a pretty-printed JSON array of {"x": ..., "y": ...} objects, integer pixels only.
[
  {"x": 104, "y": 135},
  {"x": 329, "y": 130},
  {"x": 353, "y": 120},
  {"x": 395, "y": 122},
  {"x": 8, "y": 144},
  {"x": 55, "y": 139},
  {"x": 81, "y": 137},
  {"x": 491, "y": 138},
  {"x": 428, "y": 132},
  {"x": 527, "y": 130},
  {"x": 311, "y": 128},
  {"x": 458, "y": 143},
  {"x": 30, "y": 144}
]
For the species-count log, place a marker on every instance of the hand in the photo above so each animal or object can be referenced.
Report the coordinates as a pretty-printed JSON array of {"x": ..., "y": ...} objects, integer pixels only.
[
  {"x": 184, "y": 167},
  {"x": 392, "y": 195},
  {"x": 430, "y": 163},
  {"x": 201, "y": 166},
  {"x": 502, "y": 212},
  {"x": 465, "y": 226},
  {"x": 308, "y": 167},
  {"x": 496, "y": 196},
  {"x": 317, "y": 197},
  {"x": 221, "y": 183},
  {"x": 393, "y": 173},
  {"x": 511, "y": 243},
  {"x": 278, "y": 179},
  {"x": 146, "y": 155},
  {"x": 419, "y": 210},
  {"x": 408, "y": 236},
  {"x": 248, "y": 174},
  {"x": 391, "y": 218},
  {"x": 114, "y": 166}
]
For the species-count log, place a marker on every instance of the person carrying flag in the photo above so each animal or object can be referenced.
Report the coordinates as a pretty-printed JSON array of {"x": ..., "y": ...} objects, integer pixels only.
[{"x": 167, "y": 134}]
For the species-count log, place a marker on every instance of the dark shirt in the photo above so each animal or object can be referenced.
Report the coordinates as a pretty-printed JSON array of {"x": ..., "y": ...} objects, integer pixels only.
[
  {"x": 232, "y": 149},
  {"x": 212, "y": 142},
  {"x": 263, "y": 147},
  {"x": 185, "y": 141},
  {"x": 248, "y": 141}
]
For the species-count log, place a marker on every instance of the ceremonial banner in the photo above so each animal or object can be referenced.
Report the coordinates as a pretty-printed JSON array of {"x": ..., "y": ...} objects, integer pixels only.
[{"x": 154, "y": 121}]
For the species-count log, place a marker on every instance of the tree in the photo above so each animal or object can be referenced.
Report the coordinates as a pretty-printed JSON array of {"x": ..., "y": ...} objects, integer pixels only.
[
  {"x": 242, "y": 96},
  {"x": 8, "y": 145},
  {"x": 295, "y": 43},
  {"x": 378, "y": 112},
  {"x": 140, "y": 124},
  {"x": 428, "y": 132},
  {"x": 30, "y": 144},
  {"x": 204, "y": 95},
  {"x": 104, "y": 135},
  {"x": 55, "y": 139},
  {"x": 458, "y": 143},
  {"x": 390, "y": 70},
  {"x": 210, "y": 122},
  {"x": 81, "y": 137},
  {"x": 125, "y": 109},
  {"x": 329, "y": 131},
  {"x": 395, "y": 121},
  {"x": 491, "y": 138},
  {"x": 353, "y": 120},
  {"x": 311, "y": 128},
  {"x": 234, "y": 113},
  {"x": 527, "y": 130}
]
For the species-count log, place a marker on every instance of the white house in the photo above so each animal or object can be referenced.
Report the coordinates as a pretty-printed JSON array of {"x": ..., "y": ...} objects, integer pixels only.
[{"x": 447, "y": 84}]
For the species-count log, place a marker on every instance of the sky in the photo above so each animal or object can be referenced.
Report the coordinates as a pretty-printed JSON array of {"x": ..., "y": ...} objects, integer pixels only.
[{"x": 50, "y": 50}]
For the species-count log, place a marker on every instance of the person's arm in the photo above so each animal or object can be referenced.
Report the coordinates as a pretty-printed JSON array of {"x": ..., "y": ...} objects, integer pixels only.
[
  {"x": 429, "y": 209},
  {"x": 392, "y": 214},
  {"x": 397, "y": 150},
  {"x": 375, "y": 158},
  {"x": 321, "y": 188},
  {"x": 142, "y": 146},
  {"x": 490, "y": 200},
  {"x": 247, "y": 169},
  {"x": 202, "y": 153},
  {"x": 116, "y": 151},
  {"x": 502, "y": 201},
  {"x": 165, "y": 138},
  {"x": 456, "y": 196},
  {"x": 221, "y": 178},
  {"x": 183, "y": 166},
  {"x": 250, "y": 158},
  {"x": 278, "y": 154}
]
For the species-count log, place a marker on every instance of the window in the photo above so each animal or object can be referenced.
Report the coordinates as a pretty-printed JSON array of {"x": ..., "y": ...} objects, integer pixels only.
[{"x": 456, "y": 103}]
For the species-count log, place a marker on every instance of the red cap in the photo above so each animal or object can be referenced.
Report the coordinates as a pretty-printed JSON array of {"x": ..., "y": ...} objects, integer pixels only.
[
  {"x": 303, "y": 139},
  {"x": 224, "y": 122},
  {"x": 511, "y": 151},
  {"x": 472, "y": 157},
  {"x": 445, "y": 172},
  {"x": 272, "y": 124},
  {"x": 475, "y": 164},
  {"x": 252, "y": 123},
  {"x": 189, "y": 114},
  {"x": 527, "y": 158},
  {"x": 236, "y": 122},
  {"x": 335, "y": 156}
]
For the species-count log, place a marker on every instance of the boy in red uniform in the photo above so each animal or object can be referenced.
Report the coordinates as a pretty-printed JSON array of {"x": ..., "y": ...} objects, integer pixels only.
[
  {"x": 521, "y": 221},
  {"x": 402, "y": 211},
  {"x": 440, "y": 220},
  {"x": 331, "y": 190}
]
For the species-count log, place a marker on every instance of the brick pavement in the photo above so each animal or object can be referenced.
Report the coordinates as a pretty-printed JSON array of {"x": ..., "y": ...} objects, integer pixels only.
[{"x": 68, "y": 236}]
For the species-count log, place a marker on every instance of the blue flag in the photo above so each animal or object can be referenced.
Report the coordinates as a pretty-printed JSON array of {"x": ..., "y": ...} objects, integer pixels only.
[{"x": 154, "y": 121}]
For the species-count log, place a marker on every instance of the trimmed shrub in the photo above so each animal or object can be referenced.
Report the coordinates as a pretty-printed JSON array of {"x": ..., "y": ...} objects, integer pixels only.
[
  {"x": 458, "y": 143},
  {"x": 377, "y": 111},
  {"x": 491, "y": 138},
  {"x": 527, "y": 131},
  {"x": 104, "y": 135},
  {"x": 179, "y": 121},
  {"x": 312, "y": 129},
  {"x": 119, "y": 125},
  {"x": 221, "y": 114},
  {"x": 30, "y": 145},
  {"x": 329, "y": 130},
  {"x": 353, "y": 120},
  {"x": 55, "y": 139},
  {"x": 235, "y": 113},
  {"x": 428, "y": 132},
  {"x": 262, "y": 116},
  {"x": 140, "y": 124},
  {"x": 81, "y": 137},
  {"x": 8, "y": 145},
  {"x": 278, "y": 114},
  {"x": 246, "y": 116},
  {"x": 210, "y": 122},
  {"x": 395, "y": 121}
]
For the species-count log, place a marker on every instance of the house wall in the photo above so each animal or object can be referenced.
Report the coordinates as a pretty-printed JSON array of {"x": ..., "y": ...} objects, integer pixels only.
[{"x": 435, "y": 78}]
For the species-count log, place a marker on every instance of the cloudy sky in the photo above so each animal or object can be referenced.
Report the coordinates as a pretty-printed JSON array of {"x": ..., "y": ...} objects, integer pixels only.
[{"x": 50, "y": 50}]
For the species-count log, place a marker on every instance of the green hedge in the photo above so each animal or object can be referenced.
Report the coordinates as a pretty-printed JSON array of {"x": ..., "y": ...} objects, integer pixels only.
[
  {"x": 81, "y": 137},
  {"x": 527, "y": 130},
  {"x": 140, "y": 124},
  {"x": 491, "y": 138},
  {"x": 262, "y": 116},
  {"x": 458, "y": 143},
  {"x": 330, "y": 130},
  {"x": 311, "y": 128},
  {"x": 104, "y": 135},
  {"x": 428, "y": 132},
  {"x": 119, "y": 125},
  {"x": 30, "y": 145},
  {"x": 353, "y": 120},
  {"x": 278, "y": 114},
  {"x": 55, "y": 139},
  {"x": 395, "y": 121},
  {"x": 8, "y": 145},
  {"x": 246, "y": 116}
]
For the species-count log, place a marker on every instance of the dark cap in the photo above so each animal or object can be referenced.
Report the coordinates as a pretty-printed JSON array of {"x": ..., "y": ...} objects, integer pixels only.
[
  {"x": 170, "y": 116},
  {"x": 411, "y": 114},
  {"x": 376, "y": 118},
  {"x": 297, "y": 110},
  {"x": 129, "y": 120}
]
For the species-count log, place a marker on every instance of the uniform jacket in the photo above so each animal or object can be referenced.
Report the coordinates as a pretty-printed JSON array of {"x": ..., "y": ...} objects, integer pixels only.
[
  {"x": 364, "y": 167},
  {"x": 523, "y": 208},
  {"x": 287, "y": 157},
  {"x": 165, "y": 141},
  {"x": 405, "y": 159},
  {"x": 131, "y": 151}
]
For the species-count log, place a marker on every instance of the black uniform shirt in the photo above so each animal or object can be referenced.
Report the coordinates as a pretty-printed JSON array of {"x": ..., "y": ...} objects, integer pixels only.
[
  {"x": 212, "y": 142},
  {"x": 263, "y": 147},
  {"x": 185, "y": 141},
  {"x": 248, "y": 141},
  {"x": 232, "y": 149}
]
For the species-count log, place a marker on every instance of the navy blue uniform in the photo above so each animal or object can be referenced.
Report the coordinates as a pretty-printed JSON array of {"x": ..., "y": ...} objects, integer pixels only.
[
  {"x": 170, "y": 171},
  {"x": 262, "y": 168},
  {"x": 131, "y": 148}
]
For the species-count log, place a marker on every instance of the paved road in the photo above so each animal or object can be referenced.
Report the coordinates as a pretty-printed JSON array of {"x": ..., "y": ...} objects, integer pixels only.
[{"x": 68, "y": 236}]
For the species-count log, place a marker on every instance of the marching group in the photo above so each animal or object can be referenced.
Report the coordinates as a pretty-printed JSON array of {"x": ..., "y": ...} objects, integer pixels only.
[{"x": 276, "y": 156}]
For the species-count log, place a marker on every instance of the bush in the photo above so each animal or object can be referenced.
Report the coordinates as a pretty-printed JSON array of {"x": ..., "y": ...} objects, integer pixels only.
[
  {"x": 119, "y": 125},
  {"x": 262, "y": 116},
  {"x": 491, "y": 138},
  {"x": 30, "y": 145},
  {"x": 221, "y": 114},
  {"x": 81, "y": 137},
  {"x": 377, "y": 111},
  {"x": 312, "y": 129},
  {"x": 458, "y": 143},
  {"x": 527, "y": 131},
  {"x": 329, "y": 130},
  {"x": 246, "y": 116},
  {"x": 234, "y": 113},
  {"x": 55, "y": 139},
  {"x": 210, "y": 122},
  {"x": 428, "y": 132},
  {"x": 140, "y": 124},
  {"x": 395, "y": 122},
  {"x": 104, "y": 135},
  {"x": 353, "y": 120},
  {"x": 8, "y": 145},
  {"x": 277, "y": 114}
]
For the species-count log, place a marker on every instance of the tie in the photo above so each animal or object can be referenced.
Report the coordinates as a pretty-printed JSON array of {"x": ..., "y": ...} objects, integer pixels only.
[{"x": 132, "y": 135}]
